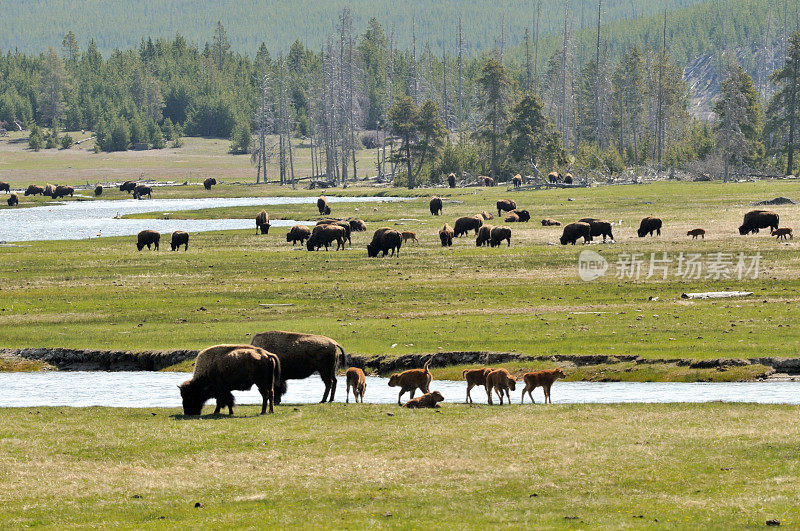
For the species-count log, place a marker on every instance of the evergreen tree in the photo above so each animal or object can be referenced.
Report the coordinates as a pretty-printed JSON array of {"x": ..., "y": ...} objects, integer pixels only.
[
  {"x": 740, "y": 120},
  {"x": 784, "y": 108},
  {"x": 496, "y": 91}
]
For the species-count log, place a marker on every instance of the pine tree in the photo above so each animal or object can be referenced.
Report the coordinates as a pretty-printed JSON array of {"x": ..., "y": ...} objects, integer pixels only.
[
  {"x": 496, "y": 88},
  {"x": 784, "y": 109}
]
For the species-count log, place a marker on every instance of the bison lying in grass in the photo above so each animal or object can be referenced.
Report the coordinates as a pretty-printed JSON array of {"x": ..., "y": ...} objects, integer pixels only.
[
  {"x": 428, "y": 400},
  {"x": 385, "y": 240},
  {"x": 357, "y": 225},
  {"x": 759, "y": 219},
  {"x": 221, "y": 369}
]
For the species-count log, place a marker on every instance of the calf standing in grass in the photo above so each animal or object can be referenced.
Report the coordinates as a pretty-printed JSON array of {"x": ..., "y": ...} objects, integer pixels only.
[
  {"x": 500, "y": 381},
  {"x": 782, "y": 233},
  {"x": 428, "y": 400},
  {"x": 543, "y": 379},
  {"x": 411, "y": 380},
  {"x": 408, "y": 235},
  {"x": 358, "y": 381},
  {"x": 694, "y": 233},
  {"x": 475, "y": 378}
]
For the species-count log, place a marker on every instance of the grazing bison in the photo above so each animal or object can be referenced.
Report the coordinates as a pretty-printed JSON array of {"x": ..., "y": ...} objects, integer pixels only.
[
  {"x": 484, "y": 235},
  {"x": 553, "y": 177},
  {"x": 5, "y": 187},
  {"x": 523, "y": 215},
  {"x": 758, "y": 219},
  {"x": 474, "y": 378},
  {"x": 568, "y": 178},
  {"x": 344, "y": 224},
  {"x": 356, "y": 379},
  {"x": 221, "y": 369},
  {"x": 543, "y": 379},
  {"x": 501, "y": 382},
  {"x": 142, "y": 190},
  {"x": 127, "y": 186},
  {"x": 500, "y": 234},
  {"x": 179, "y": 238},
  {"x": 436, "y": 205},
  {"x": 781, "y": 233},
  {"x": 322, "y": 206},
  {"x": 147, "y": 237},
  {"x": 505, "y": 205},
  {"x": 262, "y": 222},
  {"x": 357, "y": 225},
  {"x": 49, "y": 190},
  {"x": 649, "y": 225},
  {"x": 446, "y": 235},
  {"x": 451, "y": 180},
  {"x": 517, "y": 180},
  {"x": 428, "y": 400},
  {"x": 13, "y": 199},
  {"x": 411, "y": 380},
  {"x": 548, "y": 222},
  {"x": 694, "y": 233},
  {"x": 298, "y": 233},
  {"x": 599, "y": 227},
  {"x": 34, "y": 190},
  {"x": 573, "y": 231},
  {"x": 385, "y": 240},
  {"x": 62, "y": 191},
  {"x": 209, "y": 182},
  {"x": 488, "y": 181},
  {"x": 301, "y": 355},
  {"x": 325, "y": 235},
  {"x": 98, "y": 190},
  {"x": 466, "y": 224}
]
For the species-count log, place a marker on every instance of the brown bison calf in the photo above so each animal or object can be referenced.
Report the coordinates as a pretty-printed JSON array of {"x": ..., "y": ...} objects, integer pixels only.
[
  {"x": 179, "y": 238},
  {"x": 221, "y": 369},
  {"x": 358, "y": 381},
  {"x": 428, "y": 400},
  {"x": 543, "y": 379},
  {"x": 501, "y": 382},
  {"x": 298, "y": 233},
  {"x": 13, "y": 199},
  {"x": 759, "y": 219},
  {"x": 385, "y": 240},
  {"x": 466, "y": 224},
  {"x": 781, "y": 233},
  {"x": 147, "y": 237},
  {"x": 411, "y": 380},
  {"x": 573, "y": 231},
  {"x": 34, "y": 190},
  {"x": 475, "y": 378},
  {"x": 451, "y": 180},
  {"x": 500, "y": 234},
  {"x": 262, "y": 222},
  {"x": 484, "y": 235},
  {"x": 408, "y": 235},
  {"x": 98, "y": 190},
  {"x": 547, "y": 222},
  {"x": 208, "y": 183},
  {"x": 446, "y": 235},
  {"x": 436, "y": 205},
  {"x": 505, "y": 205},
  {"x": 694, "y": 233},
  {"x": 649, "y": 225}
]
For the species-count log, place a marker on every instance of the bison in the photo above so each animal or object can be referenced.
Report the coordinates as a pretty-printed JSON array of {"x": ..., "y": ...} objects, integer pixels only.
[
  {"x": 179, "y": 238},
  {"x": 325, "y": 235},
  {"x": 322, "y": 206},
  {"x": 298, "y": 233},
  {"x": 426, "y": 401},
  {"x": 262, "y": 222},
  {"x": 98, "y": 190},
  {"x": 385, "y": 240},
  {"x": 13, "y": 199},
  {"x": 409, "y": 235},
  {"x": 568, "y": 178},
  {"x": 5, "y": 187},
  {"x": 142, "y": 190},
  {"x": 759, "y": 219},
  {"x": 501, "y": 382},
  {"x": 357, "y": 225},
  {"x": 436, "y": 205},
  {"x": 300, "y": 356},
  {"x": 466, "y": 224},
  {"x": 209, "y": 182},
  {"x": 49, "y": 190},
  {"x": 599, "y": 227},
  {"x": 511, "y": 217},
  {"x": 356, "y": 379},
  {"x": 221, "y": 369},
  {"x": 484, "y": 235},
  {"x": 475, "y": 378},
  {"x": 34, "y": 190},
  {"x": 62, "y": 191},
  {"x": 505, "y": 205},
  {"x": 523, "y": 215},
  {"x": 451, "y": 180},
  {"x": 694, "y": 233},
  {"x": 543, "y": 379},
  {"x": 127, "y": 186},
  {"x": 553, "y": 177},
  {"x": 411, "y": 380},
  {"x": 548, "y": 222},
  {"x": 517, "y": 180},
  {"x": 344, "y": 224},
  {"x": 147, "y": 237},
  {"x": 573, "y": 231},
  {"x": 446, "y": 235},
  {"x": 486, "y": 215},
  {"x": 779, "y": 234},
  {"x": 500, "y": 234},
  {"x": 488, "y": 181},
  {"x": 649, "y": 225}
]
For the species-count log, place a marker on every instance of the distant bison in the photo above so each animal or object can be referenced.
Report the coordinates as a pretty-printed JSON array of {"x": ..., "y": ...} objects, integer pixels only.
[
  {"x": 488, "y": 181},
  {"x": 142, "y": 190},
  {"x": 357, "y": 225},
  {"x": 98, "y": 190},
  {"x": 505, "y": 205},
  {"x": 147, "y": 237},
  {"x": 486, "y": 215},
  {"x": 451, "y": 180},
  {"x": 298, "y": 233},
  {"x": 322, "y": 206},
  {"x": 466, "y": 224},
  {"x": 340, "y": 223},
  {"x": 759, "y": 219},
  {"x": 568, "y": 178},
  {"x": 523, "y": 215},
  {"x": 5, "y": 187},
  {"x": 553, "y": 177},
  {"x": 301, "y": 355},
  {"x": 511, "y": 217},
  {"x": 409, "y": 235},
  {"x": 599, "y": 227},
  {"x": 547, "y": 222},
  {"x": 484, "y": 235},
  {"x": 179, "y": 238},
  {"x": 262, "y": 222},
  {"x": 385, "y": 240},
  {"x": 13, "y": 199},
  {"x": 573, "y": 231},
  {"x": 34, "y": 190},
  {"x": 779, "y": 234},
  {"x": 500, "y": 234},
  {"x": 446, "y": 235},
  {"x": 325, "y": 235},
  {"x": 62, "y": 191},
  {"x": 49, "y": 190},
  {"x": 694, "y": 233},
  {"x": 649, "y": 225},
  {"x": 128, "y": 186},
  {"x": 436, "y": 205},
  {"x": 208, "y": 183},
  {"x": 221, "y": 369},
  {"x": 517, "y": 180}
]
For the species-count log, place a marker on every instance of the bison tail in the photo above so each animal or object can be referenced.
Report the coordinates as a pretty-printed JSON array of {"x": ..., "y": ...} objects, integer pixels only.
[{"x": 344, "y": 355}]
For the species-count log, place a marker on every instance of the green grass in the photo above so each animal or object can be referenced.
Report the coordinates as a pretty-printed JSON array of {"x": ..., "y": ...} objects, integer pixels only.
[
  {"x": 337, "y": 466},
  {"x": 528, "y": 299}
]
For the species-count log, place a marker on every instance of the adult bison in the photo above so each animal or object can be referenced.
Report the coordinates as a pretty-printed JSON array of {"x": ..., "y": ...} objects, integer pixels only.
[
  {"x": 573, "y": 231},
  {"x": 523, "y": 215},
  {"x": 209, "y": 182},
  {"x": 262, "y": 222},
  {"x": 98, "y": 190},
  {"x": 142, "y": 190},
  {"x": 517, "y": 180},
  {"x": 451, "y": 180},
  {"x": 5, "y": 187},
  {"x": 649, "y": 225},
  {"x": 344, "y": 224},
  {"x": 466, "y": 224},
  {"x": 298, "y": 233},
  {"x": 568, "y": 178},
  {"x": 62, "y": 191},
  {"x": 484, "y": 235},
  {"x": 511, "y": 217},
  {"x": 553, "y": 177},
  {"x": 127, "y": 186},
  {"x": 385, "y": 240},
  {"x": 13, "y": 199},
  {"x": 436, "y": 205},
  {"x": 300, "y": 356},
  {"x": 759, "y": 219},
  {"x": 446, "y": 235},
  {"x": 148, "y": 238},
  {"x": 599, "y": 227},
  {"x": 322, "y": 206},
  {"x": 549, "y": 222},
  {"x": 220, "y": 369},
  {"x": 357, "y": 225},
  {"x": 34, "y": 190},
  {"x": 488, "y": 181},
  {"x": 505, "y": 205},
  {"x": 49, "y": 190},
  {"x": 325, "y": 235},
  {"x": 179, "y": 238},
  {"x": 500, "y": 234}
]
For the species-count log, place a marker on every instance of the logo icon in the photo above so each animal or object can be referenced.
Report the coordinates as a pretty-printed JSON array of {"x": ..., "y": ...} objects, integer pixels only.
[{"x": 591, "y": 265}]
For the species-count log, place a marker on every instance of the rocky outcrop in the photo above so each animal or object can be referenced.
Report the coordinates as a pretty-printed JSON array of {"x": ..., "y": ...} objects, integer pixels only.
[{"x": 103, "y": 360}]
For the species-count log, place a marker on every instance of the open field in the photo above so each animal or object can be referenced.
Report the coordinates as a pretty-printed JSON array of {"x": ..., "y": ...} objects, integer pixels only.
[
  {"x": 337, "y": 466},
  {"x": 528, "y": 298}
]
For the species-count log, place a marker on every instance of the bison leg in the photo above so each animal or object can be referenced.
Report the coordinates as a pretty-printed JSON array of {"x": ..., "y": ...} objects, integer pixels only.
[
  {"x": 469, "y": 398},
  {"x": 400, "y": 396},
  {"x": 347, "y": 394},
  {"x": 267, "y": 398},
  {"x": 489, "y": 396},
  {"x": 333, "y": 387}
]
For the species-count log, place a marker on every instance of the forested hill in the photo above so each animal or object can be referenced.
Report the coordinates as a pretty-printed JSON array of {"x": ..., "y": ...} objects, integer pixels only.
[{"x": 31, "y": 26}]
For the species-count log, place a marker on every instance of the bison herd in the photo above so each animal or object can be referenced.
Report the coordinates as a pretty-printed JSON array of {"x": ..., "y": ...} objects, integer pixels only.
[{"x": 272, "y": 358}]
